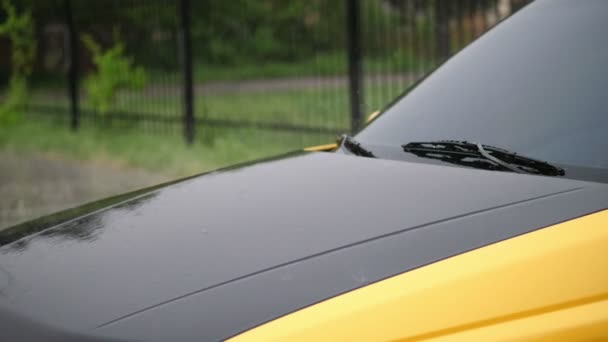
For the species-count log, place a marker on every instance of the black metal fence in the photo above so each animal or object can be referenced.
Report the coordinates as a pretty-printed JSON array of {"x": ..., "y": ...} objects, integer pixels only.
[{"x": 314, "y": 67}]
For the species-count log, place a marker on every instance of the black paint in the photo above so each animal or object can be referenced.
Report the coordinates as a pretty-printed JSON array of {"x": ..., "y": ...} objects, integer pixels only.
[{"x": 218, "y": 254}]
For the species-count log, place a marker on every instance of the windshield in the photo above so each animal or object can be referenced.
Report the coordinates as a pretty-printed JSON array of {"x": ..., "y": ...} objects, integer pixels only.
[{"x": 536, "y": 84}]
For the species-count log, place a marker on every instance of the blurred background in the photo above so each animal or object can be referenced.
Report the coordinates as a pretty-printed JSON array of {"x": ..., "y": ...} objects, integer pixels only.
[{"x": 100, "y": 97}]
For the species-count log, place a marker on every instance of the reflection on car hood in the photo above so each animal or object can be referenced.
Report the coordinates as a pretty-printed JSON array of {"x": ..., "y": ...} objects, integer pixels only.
[{"x": 217, "y": 254}]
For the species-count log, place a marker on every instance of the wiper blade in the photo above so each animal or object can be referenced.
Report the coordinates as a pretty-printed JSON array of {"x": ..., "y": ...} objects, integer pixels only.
[
  {"x": 481, "y": 156},
  {"x": 355, "y": 147}
]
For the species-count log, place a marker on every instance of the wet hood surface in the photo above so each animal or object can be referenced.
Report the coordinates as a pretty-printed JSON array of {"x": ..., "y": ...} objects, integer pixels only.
[{"x": 218, "y": 254}]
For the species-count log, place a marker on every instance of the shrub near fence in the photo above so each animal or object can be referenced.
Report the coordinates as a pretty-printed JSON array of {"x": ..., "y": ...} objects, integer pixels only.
[{"x": 311, "y": 67}]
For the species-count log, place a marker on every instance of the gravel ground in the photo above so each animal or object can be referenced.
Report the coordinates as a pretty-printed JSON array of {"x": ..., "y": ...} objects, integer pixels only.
[{"x": 36, "y": 185}]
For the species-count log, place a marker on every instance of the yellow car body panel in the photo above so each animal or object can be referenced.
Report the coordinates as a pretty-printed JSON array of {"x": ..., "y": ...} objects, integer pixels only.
[
  {"x": 319, "y": 148},
  {"x": 550, "y": 284},
  {"x": 372, "y": 116}
]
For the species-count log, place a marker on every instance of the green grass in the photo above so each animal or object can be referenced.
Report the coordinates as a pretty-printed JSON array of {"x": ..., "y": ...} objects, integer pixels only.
[
  {"x": 148, "y": 146},
  {"x": 326, "y": 106},
  {"x": 132, "y": 147},
  {"x": 311, "y": 107},
  {"x": 328, "y": 64},
  {"x": 323, "y": 64}
]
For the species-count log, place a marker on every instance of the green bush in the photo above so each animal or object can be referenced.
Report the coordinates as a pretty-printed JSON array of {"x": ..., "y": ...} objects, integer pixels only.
[
  {"x": 114, "y": 71},
  {"x": 19, "y": 29}
]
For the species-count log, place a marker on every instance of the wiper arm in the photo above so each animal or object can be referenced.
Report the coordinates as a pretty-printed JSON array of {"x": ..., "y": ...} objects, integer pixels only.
[
  {"x": 355, "y": 147},
  {"x": 469, "y": 154},
  {"x": 487, "y": 155}
]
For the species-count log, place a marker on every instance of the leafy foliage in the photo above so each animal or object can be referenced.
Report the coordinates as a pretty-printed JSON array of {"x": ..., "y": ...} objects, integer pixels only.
[
  {"x": 114, "y": 71},
  {"x": 223, "y": 32},
  {"x": 19, "y": 29},
  {"x": 274, "y": 30},
  {"x": 234, "y": 35}
]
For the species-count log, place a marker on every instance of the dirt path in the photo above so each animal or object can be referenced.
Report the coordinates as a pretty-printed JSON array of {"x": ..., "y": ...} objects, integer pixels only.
[{"x": 36, "y": 185}]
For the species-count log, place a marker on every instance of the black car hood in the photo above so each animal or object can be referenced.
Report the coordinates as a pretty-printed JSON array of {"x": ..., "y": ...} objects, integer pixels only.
[{"x": 214, "y": 255}]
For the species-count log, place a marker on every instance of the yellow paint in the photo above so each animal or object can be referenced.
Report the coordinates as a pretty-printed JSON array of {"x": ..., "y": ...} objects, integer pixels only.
[
  {"x": 550, "y": 285},
  {"x": 326, "y": 147},
  {"x": 372, "y": 116}
]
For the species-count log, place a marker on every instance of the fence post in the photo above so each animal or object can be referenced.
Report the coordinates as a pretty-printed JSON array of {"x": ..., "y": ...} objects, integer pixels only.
[
  {"x": 186, "y": 53},
  {"x": 73, "y": 67},
  {"x": 442, "y": 37},
  {"x": 355, "y": 80}
]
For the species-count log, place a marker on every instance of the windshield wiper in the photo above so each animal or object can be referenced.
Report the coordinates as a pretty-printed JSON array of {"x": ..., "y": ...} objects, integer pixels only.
[
  {"x": 481, "y": 156},
  {"x": 354, "y": 147}
]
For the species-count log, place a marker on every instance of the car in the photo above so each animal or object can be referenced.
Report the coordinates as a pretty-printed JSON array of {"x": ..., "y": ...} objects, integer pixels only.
[{"x": 474, "y": 207}]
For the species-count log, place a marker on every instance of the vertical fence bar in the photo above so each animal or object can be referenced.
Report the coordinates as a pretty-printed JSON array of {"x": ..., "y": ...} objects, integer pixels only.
[
  {"x": 188, "y": 92},
  {"x": 442, "y": 32},
  {"x": 73, "y": 67},
  {"x": 355, "y": 80}
]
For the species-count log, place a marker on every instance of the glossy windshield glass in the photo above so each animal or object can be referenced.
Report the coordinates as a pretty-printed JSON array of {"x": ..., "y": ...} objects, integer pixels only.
[{"x": 537, "y": 84}]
